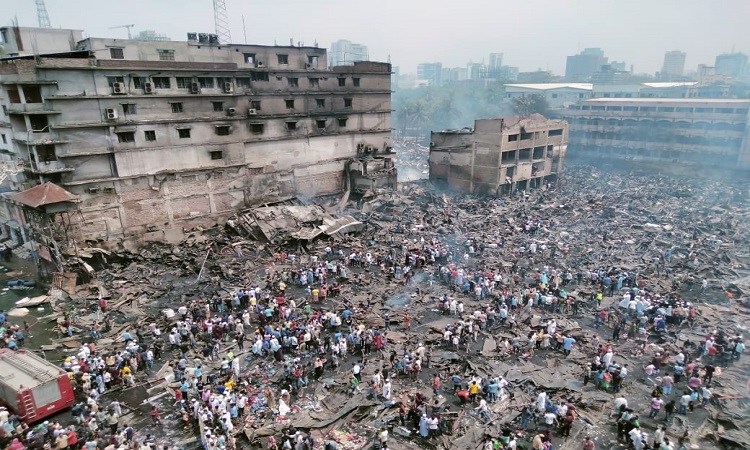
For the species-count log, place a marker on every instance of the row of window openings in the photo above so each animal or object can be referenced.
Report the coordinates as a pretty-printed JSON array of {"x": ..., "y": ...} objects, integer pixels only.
[
  {"x": 662, "y": 109},
  {"x": 683, "y": 156},
  {"x": 177, "y": 107},
  {"x": 534, "y": 135},
  {"x": 211, "y": 82},
  {"x": 250, "y": 58},
  {"x": 182, "y": 133},
  {"x": 677, "y": 139},
  {"x": 661, "y": 124},
  {"x": 525, "y": 154},
  {"x": 223, "y": 130},
  {"x": 119, "y": 53},
  {"x": 183, "y": 82}
]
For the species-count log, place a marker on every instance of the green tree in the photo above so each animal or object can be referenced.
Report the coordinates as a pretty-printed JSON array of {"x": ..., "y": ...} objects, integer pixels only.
[{"x": 533, "y": 104}]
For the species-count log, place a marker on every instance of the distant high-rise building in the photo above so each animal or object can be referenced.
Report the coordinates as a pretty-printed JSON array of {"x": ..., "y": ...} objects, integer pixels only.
[
  {"x": 674, "y": 64},
  {"x": 495, "y": 67},
  {"x": 450, "y": 74},
  {"x": 496, "y": 61},
  {"x": 477, "y": 71},
  {"x": 430, "y": 72},
  {"x": 582, "y": 66},
  {"x": 731, "y": 65},
  {"x": 346, "y": 53},
  {"x": 509, "y": 73}
]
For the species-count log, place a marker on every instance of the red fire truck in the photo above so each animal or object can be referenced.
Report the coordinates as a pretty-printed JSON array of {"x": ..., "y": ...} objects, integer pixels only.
[{"x": 32, "y": 387}]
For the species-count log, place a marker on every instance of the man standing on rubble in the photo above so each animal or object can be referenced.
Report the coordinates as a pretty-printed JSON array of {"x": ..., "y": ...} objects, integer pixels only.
[
  {"x": 568, "y": 342},
  {"x": 357, "y": 371}
]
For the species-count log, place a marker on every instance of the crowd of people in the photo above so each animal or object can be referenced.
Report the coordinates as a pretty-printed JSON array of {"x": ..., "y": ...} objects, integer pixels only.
[{"x": 298, "y": 321}]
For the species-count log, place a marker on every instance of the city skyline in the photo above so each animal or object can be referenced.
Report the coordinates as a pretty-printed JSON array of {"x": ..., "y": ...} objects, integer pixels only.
[{"x": 621, "y": 29}]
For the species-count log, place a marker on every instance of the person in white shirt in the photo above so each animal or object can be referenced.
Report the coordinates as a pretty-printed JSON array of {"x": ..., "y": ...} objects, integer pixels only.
[
  {"x": 618, "y": 404},
  {"x": 483, "y": 409},
  {"x": 551, "y": 327},
  {"x": 387, "y": 389},
  {"x": 550, "y": 419},
  {"x": 658, "y": 436}
]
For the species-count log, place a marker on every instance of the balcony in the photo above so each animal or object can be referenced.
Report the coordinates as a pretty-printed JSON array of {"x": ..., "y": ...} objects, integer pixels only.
[
  {"x": 31, "y": 108},
  {"x": 31, "y": 138},
  {"x": 46, "y": 167}
]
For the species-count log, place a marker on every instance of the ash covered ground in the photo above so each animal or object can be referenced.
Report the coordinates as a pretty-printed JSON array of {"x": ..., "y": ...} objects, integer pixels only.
[{"x": 434, "y": 292}]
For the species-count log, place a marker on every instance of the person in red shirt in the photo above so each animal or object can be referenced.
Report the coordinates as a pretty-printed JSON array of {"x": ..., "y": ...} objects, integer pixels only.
[
  {"x": 72, "y": 438},
  {"x": 154, "y": 413},
  {"x": 436, "y": 385},
  {"x": 588, "y": 444},
  {"x": 323, "y": 293},
  {"x": 463, "y": 395}
]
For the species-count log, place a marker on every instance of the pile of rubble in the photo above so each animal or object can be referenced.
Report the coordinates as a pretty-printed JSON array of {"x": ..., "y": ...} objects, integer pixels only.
[
  {"x": 680, "y": 239},
  {"x": 413, "y": 161}
]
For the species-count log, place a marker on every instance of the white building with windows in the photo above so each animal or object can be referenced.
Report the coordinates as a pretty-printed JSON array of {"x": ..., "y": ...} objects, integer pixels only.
[
  {"x": 346, "y": 53},
  {"x": 558, "y": 95}
]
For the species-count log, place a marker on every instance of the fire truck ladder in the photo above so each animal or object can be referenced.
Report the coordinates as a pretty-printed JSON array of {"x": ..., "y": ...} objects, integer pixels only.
[
  {"x": 28, "y": 405},
  {"x": 27, "y": 399}
]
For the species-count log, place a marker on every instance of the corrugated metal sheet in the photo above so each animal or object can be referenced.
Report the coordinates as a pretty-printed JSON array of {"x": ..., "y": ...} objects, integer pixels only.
[{"x": 44, "y": 194}]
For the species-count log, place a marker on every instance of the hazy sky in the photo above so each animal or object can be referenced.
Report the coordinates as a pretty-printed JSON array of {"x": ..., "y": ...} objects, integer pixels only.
[{"x": 532, "y": 34}]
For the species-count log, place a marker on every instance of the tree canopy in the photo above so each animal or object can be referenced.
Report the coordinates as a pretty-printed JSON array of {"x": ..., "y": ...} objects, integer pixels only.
[
  {"x": 532, "y": 104},
  {"x": 432, "y": 108}
]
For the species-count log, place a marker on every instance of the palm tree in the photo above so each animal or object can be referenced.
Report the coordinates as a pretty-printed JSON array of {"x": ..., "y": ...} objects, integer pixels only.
[{"x": 417, "y": 116}]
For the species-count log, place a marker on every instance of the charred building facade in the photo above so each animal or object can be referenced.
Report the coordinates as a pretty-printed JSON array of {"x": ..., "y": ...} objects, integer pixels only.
[
  {"x": 706, "y": 132},
  {"x": 499, "y": 156},
  {"x": 157, "y": 136}
]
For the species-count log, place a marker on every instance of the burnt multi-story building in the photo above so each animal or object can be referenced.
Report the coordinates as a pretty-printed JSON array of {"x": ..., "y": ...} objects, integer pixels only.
[
  {"x": 156, "y": 136},
  {"x": 499, "y": 156}
]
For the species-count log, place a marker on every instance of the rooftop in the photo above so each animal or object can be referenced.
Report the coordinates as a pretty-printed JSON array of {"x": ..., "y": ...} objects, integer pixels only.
[
  {"x": 738, "y": 101},
  {"x": 44, "y": 194},
  {"x": 668, "y": 84},
  {"x": 590, "y": 86},
  {"x": 548, "y": 86},
  {"x": 22, "y": 368}
]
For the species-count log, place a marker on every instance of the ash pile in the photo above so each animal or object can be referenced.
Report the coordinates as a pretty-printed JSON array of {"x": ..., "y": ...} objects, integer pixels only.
[{"x": 609, "y": 310}]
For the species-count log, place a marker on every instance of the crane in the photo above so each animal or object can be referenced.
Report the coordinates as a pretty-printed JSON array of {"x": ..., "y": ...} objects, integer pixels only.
[
  {"x": 124, "y": 26},
  {"x": 41, "y": 14}
]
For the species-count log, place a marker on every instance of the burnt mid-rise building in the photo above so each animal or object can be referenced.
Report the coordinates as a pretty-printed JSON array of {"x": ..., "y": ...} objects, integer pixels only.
[
  {"x": 499, "y": 156},
  {"x": 667, "y": 132},
  {"x": 154, "y": 136}
]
